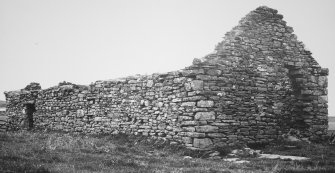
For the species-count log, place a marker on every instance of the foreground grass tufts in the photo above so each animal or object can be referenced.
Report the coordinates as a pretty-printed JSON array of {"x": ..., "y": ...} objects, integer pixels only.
[{"x": 62, "y": 152}]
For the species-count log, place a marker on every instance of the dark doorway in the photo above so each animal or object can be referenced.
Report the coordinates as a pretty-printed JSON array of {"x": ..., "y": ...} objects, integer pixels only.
[{"x": 30, "y": 109}]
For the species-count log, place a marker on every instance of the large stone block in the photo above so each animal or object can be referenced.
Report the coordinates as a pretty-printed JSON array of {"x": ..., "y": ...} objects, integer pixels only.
[
  {"x": 188, "y": 86},
  {"x": 187, "y": 140},
  {"x": 214, "y": 72},
  {"x": 205, "y": 103},
  {"x": 205, "y": 116},
  {"x": 323, "y": 99},
  {"x": 322, "y": 81},
  {"x": 80, "y": 113},
  {"x": 150, "y": 83},
  {"x": 188, "y": 104},
  {"x": 202, "y": 143},
  {"x": 178, "y": 80},
  {"x": 189, "y": 129},
  {"x": 195, "y": 134},
  {"x": 207, "y": 128},
  {"x": 217, "y": 135},
  {"x": 97, "y": 118},
  {"x": 161, "y": 126},
  {"x": 197, "y": 85},
  {"x": 189, "y": 123}
]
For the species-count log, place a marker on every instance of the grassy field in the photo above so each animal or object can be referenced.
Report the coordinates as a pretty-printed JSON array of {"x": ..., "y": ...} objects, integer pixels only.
[
  {"x": 59, "y": 152},
  {"x": 331, "y": 123},
  {"x": 2, "y": 103}
]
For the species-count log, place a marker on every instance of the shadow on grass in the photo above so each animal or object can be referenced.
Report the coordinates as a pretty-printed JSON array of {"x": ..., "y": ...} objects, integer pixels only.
[{"x": 15, "y": 164}]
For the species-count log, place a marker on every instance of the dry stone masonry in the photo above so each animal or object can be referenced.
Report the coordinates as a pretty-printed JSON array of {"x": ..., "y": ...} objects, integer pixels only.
[{"x": 259, "y": 84}]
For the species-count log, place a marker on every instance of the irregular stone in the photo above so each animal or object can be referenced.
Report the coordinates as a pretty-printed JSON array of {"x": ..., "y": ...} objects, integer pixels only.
[
  {"x": 205, "y": 103},
  {"x": 97, "y": 118},
  {"x": 187, "y": 157},
  {"x": 176, "y": 100},
  {"x": 189, "y": 129},
  {"x": 178, "y": 80},
  {"x": 323, "y": 99},
  {"x": 161, "y": 126},
  {"x": 195, "y": 134},
  {"x": 190, "y": 104},
  {"x": 236, "y": 160},
  {"x": 188, "y": 86},
  {"x": 187, "y": 140},
  {"x": 206, "y": 128},
  {"x": 276, "y": 156},
  {"x": 216, "y": 135},
  {"x": 205, "y": 116},
  {"x": 215, "y": 153},
  {"x": 214, "y": 72},
  {"x": 202, "y": 143},
  {"x": 322, "y": 81},
  {"x": 189, "y": 123},
  {"x": 197, "y": 85}
]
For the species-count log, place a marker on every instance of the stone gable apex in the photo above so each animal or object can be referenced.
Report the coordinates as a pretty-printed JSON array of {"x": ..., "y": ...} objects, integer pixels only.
[{"x": 262, "y": 33}]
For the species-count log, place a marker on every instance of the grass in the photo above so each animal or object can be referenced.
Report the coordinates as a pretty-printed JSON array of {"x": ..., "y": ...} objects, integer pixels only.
[
  {"x": 2, "y": 103},
  {"x": 61, "y": 152},
  {"x": 331, "y": 123}
]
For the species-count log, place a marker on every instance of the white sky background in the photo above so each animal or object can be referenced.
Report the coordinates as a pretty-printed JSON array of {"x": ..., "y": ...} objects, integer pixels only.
[{"x": 82, "y": 41}]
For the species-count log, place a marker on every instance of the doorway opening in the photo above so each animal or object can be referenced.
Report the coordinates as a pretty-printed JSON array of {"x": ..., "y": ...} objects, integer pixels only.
[{"x": 30, "y": 109}]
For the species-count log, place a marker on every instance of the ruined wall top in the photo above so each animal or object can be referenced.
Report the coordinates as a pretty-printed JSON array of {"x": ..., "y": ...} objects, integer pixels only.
[{"x": 261, "y": 34}]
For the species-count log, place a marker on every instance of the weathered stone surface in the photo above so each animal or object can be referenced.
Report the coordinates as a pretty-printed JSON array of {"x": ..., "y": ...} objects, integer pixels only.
[
  {"x": 189, "y": 123},
  {"x": 322, "y": 81},
  {"x": 197, "y": 85},
  {"x": 189, "y": 129},
  {"x": 205, "y": 103},
  {"x": 80, "y": 113},
  {"x": 195, "y": 134},
  {"x": 150, "y": 83},
  {"x": 323, "y": 99},
  {"x": 202, "y": 143},
  {"x": 97, "y": 118},
  {"x": 187, "y": 140},
  {"x": 214, "y": 72},
  {"x": 217, "y": 135},
  {"x": 206, "y": 128},
  {"x": 205, "y": 116},
  {"x": 161, "y": 126},
  {"x": 188, "y": 104}
]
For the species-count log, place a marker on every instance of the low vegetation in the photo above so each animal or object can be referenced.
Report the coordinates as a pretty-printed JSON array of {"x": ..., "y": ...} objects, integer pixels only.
[
  {"x": 42, "y": 151},
  {"x": 2, "y": 104},
  {"x": 46, "y": 151},
  {"x": 331, "y": 123}
]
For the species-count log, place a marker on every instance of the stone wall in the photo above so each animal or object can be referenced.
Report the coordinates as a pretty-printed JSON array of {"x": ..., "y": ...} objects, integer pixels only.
[
  {"x": 259, "y": 84},
  {"x": 263, "y": 41}
]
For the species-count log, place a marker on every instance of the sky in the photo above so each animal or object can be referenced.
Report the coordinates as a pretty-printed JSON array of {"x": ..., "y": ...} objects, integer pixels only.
[{"x": 82, "y": 41}]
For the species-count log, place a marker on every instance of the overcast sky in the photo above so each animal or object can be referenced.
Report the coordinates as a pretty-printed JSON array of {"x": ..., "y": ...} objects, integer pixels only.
[{"x": 81, "y": 41}]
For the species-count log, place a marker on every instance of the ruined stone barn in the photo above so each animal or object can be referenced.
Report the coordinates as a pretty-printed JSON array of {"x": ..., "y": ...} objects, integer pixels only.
[{"x": 260, "y": 83}]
